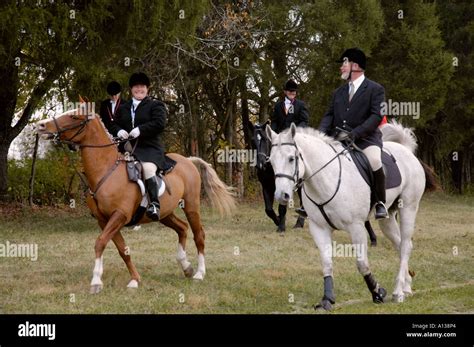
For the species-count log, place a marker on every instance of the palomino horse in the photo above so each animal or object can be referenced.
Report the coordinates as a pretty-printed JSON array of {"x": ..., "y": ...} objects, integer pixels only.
[
  {"x": 331, "y": 179},
  {"x": 115, "y": 198}
]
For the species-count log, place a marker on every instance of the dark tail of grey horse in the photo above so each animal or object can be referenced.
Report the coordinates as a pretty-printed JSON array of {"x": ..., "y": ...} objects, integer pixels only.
[{"x": 432, "y": 182}]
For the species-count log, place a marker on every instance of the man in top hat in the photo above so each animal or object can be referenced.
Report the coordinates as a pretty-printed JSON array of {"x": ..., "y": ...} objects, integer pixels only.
[
  {"x": 289, "y": 110},
  {"x": 109, "y": 107},
  {"x": 356, "y": 107},
  {"x": 142, "y": 120}
]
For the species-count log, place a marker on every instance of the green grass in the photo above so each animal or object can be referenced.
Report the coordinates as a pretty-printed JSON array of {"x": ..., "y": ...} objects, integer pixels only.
[{"x": 269, "y": 269}]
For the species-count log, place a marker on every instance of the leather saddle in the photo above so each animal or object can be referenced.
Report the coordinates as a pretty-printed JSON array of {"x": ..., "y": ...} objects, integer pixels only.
[
  {"x": 135, "y": 174},
  {"x": 393, "y": 177}
]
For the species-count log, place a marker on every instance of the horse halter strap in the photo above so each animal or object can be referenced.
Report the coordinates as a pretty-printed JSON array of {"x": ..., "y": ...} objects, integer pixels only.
[
  {"x": 299, "y": 181},
  {"x": 81, "y": 125},
  {"x": 321, "y": 206},
  {"x": 295, "y": 177}
]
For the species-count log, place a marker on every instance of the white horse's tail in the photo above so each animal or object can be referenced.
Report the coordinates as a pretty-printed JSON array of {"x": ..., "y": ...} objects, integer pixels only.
[{"x": 396, "y": 132}]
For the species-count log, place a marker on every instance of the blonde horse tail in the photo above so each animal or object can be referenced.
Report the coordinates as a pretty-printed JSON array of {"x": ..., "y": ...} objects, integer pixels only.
[{"x": 221, "y": 195}]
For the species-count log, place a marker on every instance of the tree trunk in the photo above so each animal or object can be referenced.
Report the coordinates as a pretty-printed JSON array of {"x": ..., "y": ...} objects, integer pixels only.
[
  {"x": 33, "y": 171},
  {"x": 4, "y": 147}
]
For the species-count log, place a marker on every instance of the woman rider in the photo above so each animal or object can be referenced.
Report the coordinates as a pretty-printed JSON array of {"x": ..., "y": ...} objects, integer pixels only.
[{"x": 142, "y": 120}]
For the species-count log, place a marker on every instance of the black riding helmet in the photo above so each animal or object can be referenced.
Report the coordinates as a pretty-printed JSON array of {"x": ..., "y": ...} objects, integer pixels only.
[
  {"x": 290, "y": 86},
  {"x": 355, "y": 55},
  {"x": 113, "y": 88},
  {"x": 138, "y": 78}
]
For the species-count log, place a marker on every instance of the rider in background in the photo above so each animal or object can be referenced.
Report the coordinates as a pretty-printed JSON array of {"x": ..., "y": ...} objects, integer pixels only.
[
  {"x": 356, "y": 107},
  {"x": 287, "y": 111},
  {"x": 142, "y": 120},
  {"x": 109, "y": 107}
]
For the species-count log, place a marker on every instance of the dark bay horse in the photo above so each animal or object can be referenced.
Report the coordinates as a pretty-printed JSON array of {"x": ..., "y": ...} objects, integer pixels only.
[
  {"x": 266, "y": 177},
  {"x": 115, "y": 198}
]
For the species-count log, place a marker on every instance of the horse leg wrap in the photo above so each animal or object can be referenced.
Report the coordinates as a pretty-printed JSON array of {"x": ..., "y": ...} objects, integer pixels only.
[
  {"x": 329, "y": 289},
  {"x": 378, "y": 293}
]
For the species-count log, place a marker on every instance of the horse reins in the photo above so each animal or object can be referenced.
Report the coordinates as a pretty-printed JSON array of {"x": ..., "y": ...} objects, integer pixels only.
[
  {"x": 82, "y": 125},
  {"x": 299, "y": 181}
]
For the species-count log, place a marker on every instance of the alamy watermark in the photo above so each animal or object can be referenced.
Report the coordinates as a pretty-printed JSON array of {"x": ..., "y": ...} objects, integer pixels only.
[
  {"x": 228, "y": 155},
  {"x": 19, "y": 250},
  {"x": 79, "y": 108},
  {"x": 345, "y": 250},
  {"x": 400, "y": 108},
  {"x": 37, "y": 330}
]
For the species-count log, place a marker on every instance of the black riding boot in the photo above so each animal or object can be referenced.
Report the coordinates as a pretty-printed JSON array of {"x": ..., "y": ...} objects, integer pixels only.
[
  {"x": 301, "y": 212},
  {"x": 153, "y": 209},
  {"x": 380, "y": 209}
]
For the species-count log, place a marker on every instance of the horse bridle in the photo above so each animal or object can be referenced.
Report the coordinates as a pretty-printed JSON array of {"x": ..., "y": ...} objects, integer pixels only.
[
  {"x": 299, "y": 181},
  {"x": 81, "y": 125},
  {"x": 259, "y": 145},
  {"x": 295, "y": 178}
]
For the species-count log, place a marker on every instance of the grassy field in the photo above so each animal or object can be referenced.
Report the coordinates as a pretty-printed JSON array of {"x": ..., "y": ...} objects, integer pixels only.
[{"x": 250, "y": 268}]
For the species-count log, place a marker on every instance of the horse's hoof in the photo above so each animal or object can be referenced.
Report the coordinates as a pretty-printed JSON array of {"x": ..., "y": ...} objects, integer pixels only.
[
  {"x": 96, "y": 288},
  {"x": 188, "y": 273},
  {"x": 198, "y": 276},
  {"x": 398, "y": 298},
  {"x": 378, "y": 296},
  {"x": 299, "y": 223},
  {"x": 323, "y": 305},
  {"x": 132, "y": 284},
  {"x": 412, "y": 273},
  {"x": 373, "y": 244}
]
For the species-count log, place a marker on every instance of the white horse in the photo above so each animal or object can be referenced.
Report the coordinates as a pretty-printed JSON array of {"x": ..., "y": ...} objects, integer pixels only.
[{"x": 305, "y": 154}]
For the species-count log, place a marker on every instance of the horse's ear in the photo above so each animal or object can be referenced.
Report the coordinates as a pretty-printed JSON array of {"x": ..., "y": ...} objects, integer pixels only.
[
  {"x": 293, "y": 130},
  {"x": 269, "y": 132}
]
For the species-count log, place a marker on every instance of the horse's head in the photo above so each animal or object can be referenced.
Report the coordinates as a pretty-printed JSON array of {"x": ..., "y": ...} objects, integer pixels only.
[
  {"x": 262, "y": 144},
  {"x": 68, "y": 127},
  {"x": 286, "y": 161}
]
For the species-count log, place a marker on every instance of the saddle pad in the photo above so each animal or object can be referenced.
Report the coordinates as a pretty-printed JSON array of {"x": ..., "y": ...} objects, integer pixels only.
[
  {"x": 169, "y": 165},
  {"x": 392, "y": 173},
  {"x": 140, "y": 211}
]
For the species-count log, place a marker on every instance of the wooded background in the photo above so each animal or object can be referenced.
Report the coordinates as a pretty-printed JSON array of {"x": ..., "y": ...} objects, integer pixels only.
[{"x": 220, "y": 64}]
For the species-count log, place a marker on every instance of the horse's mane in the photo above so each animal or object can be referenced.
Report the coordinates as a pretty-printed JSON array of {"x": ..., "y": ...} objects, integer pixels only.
[
  {"x": 318, "y": 134},
  {"x": 95, "y": 115},
  {"x": 103, "y": 126}
]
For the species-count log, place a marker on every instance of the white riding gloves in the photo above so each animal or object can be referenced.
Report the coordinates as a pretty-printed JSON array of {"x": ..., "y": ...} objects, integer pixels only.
[
  {"x": 122, "y": 134},
  {"x": 134, "y": 133}
]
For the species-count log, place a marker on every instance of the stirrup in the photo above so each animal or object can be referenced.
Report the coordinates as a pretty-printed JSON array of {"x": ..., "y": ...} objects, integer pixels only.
[
  {"x": 153, "y": 211},
  {"x": 301, "y": 212},
  {"x": 381, "y": 214}
]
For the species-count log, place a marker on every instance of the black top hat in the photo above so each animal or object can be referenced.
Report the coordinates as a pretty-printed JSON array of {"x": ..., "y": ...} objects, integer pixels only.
[
  {"x": 355, "y": 55},
  {"x": 114, "y": 88},
  {"x": 138, "y": 78},
  {"x": 290, "y": 86}
]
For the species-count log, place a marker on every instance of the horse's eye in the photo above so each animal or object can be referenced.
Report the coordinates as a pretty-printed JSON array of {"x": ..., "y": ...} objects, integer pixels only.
[{"x": 292, "y": 159}]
